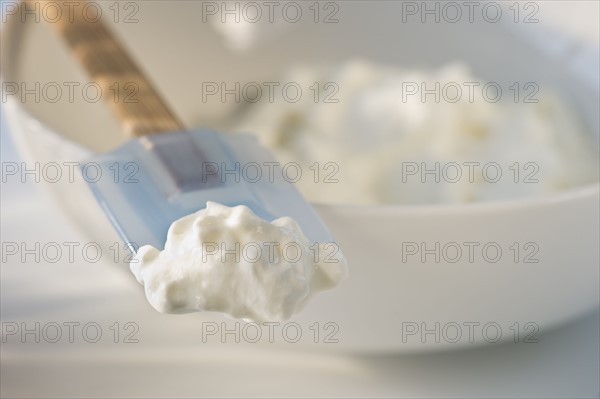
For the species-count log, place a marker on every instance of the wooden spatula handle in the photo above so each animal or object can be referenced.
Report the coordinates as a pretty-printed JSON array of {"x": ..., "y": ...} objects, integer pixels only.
[{"x": 138, "y": 106}]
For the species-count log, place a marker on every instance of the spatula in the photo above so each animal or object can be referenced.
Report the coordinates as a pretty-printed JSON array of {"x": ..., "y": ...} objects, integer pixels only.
[{"x": 165, "y": 172}]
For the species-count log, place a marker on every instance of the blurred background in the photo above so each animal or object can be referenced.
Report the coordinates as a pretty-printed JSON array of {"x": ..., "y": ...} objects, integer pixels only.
[{"x": 366, "y": 86}]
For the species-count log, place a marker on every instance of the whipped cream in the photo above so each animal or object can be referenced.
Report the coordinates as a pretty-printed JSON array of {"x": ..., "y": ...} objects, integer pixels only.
[
  {"x": 374, "y": 137},
  {"x": 227, "y": 259}
]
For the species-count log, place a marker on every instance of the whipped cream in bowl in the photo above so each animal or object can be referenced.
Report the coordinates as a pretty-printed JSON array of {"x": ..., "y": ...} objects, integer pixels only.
[
  {"x": 227, "y": 259},
  {"x": 390, "y": 135}
]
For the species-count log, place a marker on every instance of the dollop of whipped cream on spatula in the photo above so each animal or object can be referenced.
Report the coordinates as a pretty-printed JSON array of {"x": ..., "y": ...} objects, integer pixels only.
[{"x": 227, "y": 259}]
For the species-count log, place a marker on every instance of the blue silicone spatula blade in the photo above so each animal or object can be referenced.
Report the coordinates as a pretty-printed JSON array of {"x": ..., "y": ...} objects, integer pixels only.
[{"x": 152, "y": 181}]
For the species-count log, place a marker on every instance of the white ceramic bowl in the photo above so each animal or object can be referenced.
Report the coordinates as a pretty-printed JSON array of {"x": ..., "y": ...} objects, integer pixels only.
[{"x": 383, "y": 294}]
